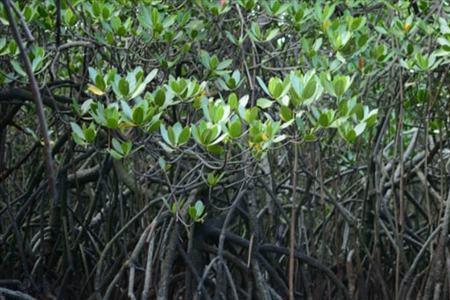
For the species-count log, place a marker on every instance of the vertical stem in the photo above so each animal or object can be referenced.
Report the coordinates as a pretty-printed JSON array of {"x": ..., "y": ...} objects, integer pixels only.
[
  {"x": 292, "y": 229},
  {"x": 58, "y": 23},
  {"x": 401, "y": 217}
]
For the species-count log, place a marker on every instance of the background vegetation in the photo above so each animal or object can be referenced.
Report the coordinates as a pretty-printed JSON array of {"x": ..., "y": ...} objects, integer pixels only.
[{"x": 232, "y": 149}]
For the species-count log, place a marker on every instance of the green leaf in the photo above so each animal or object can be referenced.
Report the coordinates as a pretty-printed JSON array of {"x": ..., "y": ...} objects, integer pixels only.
[
  {"x": 127, "y": 110},
  {"x": 177, "y": 128},
  {"x": 18, "y": 68},
  {"x": 69, "y": 17},
  {"x": 199, "y": 208},
  {"x": 126, "y": 147},
  {"x": 100, "y": 82},
  {"x": 235, "y": 128},
  {"x": 224, "y": 64},
  {"x": 115, "y": 22},
  {"x": 323, "y": 120},
  {"x": 138, "y": 115},
  {"x": 141, "y": 87},
  {"x": 77, "y": 130},
  {"x": 184, "y": 136},
  {"x": 286, "y": 113},
  {"x": 251, "y": 114},
  {"x": 160, "y": 97},
  {"x": 233, "y": 101},
  {"x": 264, "y": 103},
  {"x": 275, "y": 87},
  {"x": 309, "y": 89},
  {"x": 204, "y": 58},
  {"x": 124, "y": 87},
  {"x": 341, "y": 85},
  {"x": 371, "y": 118},
  {"x": 192, "y": 213},
  {"x": 112, "y": 122},
  {"x": 360, "y": 128},
  {"x": 162, "y": 163},
  {"x": 219, "y": 113},
  {"x": 272, "y": 34},
  {"x": 90, "y": 133},
  {"x": 36, "y": 63},
  {"x": 213, "y": 62},
  {"x": 171, "y": 135},
  {"x": 231, "y": 38},
  {"x": 215, "y": 149},
  {"x": 263, "y": 85},
  {"x": 164, "y": 134},
  {"x": 117, "y": 146},
  {"x": 115, "y": 154},
  {"x": 96, "y": 8}
]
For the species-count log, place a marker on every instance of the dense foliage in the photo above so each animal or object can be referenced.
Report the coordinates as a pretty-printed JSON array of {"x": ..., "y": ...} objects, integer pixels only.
[{"x": 232, "y": 149}]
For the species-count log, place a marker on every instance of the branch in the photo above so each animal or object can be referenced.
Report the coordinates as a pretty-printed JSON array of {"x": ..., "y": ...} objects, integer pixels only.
[
  {"x": 39, "y": 107},
  {"x": 58, "y": 102},
  {"x": 15, "y": 294}
]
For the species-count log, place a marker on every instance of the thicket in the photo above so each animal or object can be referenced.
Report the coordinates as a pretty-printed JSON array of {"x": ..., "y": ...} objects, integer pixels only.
[{"x": 232, "y": 149}]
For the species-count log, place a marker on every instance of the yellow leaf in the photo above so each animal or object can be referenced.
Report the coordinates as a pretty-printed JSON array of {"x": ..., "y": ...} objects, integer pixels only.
[
  {"x": 95, "y": 90},
  {"x": 407, "y": 26}
]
